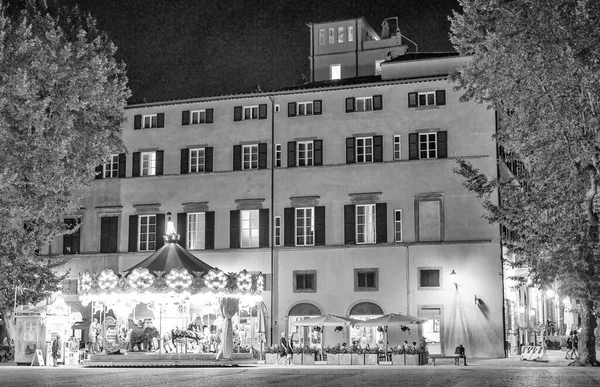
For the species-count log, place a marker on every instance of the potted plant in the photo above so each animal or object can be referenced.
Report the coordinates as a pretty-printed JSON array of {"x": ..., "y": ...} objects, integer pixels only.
[
  {"x": 333, "y": 354},
  {"x": 371, "y": 355},
  {"x": 357, "y": 354},
  {"x": 345, "y": 355},
  {"x": 297, "y": 355},
  {"x": 309, "y": 355},
  {"x": 416, "y": 354},
  {"x": 398, "y": 355},
  {"x": 271, "y": 354}
]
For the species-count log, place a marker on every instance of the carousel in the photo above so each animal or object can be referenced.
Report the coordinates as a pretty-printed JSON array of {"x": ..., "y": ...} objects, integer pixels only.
[{"x": 172, "y": 305}]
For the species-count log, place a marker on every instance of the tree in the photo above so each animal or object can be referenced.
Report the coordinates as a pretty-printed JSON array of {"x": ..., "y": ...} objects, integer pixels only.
[
  {"x": 62, "y": 100},
  {"x": 538, "y": 64}
]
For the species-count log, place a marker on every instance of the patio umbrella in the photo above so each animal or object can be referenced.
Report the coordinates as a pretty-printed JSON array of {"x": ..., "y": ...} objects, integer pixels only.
[
  {"x": 391, "y": 319},
  {"x": 327, "y": 320},
  {"x": 262, "y": 324}
]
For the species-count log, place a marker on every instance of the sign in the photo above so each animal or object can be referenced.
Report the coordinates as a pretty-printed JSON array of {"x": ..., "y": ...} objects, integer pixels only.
[{"x": 38, "y": 358}]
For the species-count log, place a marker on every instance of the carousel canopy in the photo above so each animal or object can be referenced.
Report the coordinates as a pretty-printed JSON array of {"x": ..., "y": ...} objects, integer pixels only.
[{"x": 172, "y": 256}]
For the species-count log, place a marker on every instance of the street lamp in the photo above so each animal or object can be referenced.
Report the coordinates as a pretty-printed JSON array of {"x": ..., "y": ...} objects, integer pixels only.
[{"x": 454, "y": 278}]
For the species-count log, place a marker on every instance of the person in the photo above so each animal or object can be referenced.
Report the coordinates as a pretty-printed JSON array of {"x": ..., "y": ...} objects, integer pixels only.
[
  {"x": 569, "y": 346},
  {"x": 93, "y": 336},
  {"x": 460, "y": 352},
  {"x": 289, "y": 349},
  {"x": 282, "y": 349},
  {"x": 575, "y": 346},
  {"x": 56, "y": 350}
]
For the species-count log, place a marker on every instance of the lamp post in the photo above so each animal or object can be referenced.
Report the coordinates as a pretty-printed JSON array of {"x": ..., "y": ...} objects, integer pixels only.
[{"x": 454, "y": 278}]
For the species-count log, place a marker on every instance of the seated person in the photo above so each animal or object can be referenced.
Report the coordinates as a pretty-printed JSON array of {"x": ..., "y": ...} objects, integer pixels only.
[{"x": 460, "y": 353}]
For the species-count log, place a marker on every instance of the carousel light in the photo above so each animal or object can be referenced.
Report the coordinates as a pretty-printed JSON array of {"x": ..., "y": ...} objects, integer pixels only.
[
  {"x": 171, "y": 235},
  {"x": 215, "y": 280},
  {"x": 107, "y": 280},
  {"x": 244, "y": 281},
  {"x": 179, "y": 279},
  {"x": 85, "y": 282},
  {"x": 140, "y": 279}
]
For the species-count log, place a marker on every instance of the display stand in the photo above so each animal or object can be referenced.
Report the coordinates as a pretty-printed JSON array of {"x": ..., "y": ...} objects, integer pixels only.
[{"x": 38, "y": 358}]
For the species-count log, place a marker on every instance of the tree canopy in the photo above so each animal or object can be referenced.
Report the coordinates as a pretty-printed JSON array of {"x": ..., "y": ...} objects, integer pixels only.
[
  {"x": 538, "y": 64},
  {"x": 62, "y": 100}
]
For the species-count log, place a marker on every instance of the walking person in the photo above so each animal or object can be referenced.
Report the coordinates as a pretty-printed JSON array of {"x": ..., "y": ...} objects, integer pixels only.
[
  {"x": 575, "y": 346},
  {"x": 289, "y": 349},
  {"x": 569, "y": 346},
  {"x": 282, "y": 349},
  {"x": 56, "y": 350}
]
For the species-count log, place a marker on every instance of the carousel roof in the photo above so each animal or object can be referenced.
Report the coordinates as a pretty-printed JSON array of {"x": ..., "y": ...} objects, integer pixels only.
[{"x": 172, "y": 256}]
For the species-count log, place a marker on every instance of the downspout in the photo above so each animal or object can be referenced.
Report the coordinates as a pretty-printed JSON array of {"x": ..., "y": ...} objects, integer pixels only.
[
  {"x": 312, "y": 52},
  {"x": 272, "y": 98},
  {"x": 356, "y": 45},
  {"x": 408, "y": 282},
  {"x": 501, "y": 248}
]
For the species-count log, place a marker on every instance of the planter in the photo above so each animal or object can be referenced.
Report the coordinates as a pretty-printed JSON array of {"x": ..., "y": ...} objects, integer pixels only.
[
  {"x": 398, "y": 359},
  {"x": 415, "y": 359},
  {"x": 308, "y": 358},
  {"x": 345, "y": 359},
  {"x": 358, "y": 359},
  {"x": 423, "y": 358},
  {"x": 297, "y": 359},
  {"x": 271, "y": 358},
  {"x": 371, "y": 358},
  {"x": 333, "y": 358}
]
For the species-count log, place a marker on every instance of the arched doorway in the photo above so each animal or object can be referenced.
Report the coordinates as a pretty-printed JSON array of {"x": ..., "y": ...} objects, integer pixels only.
[
  {"x": 366, "y": 336},
  {"x": 304, "y": 336}
]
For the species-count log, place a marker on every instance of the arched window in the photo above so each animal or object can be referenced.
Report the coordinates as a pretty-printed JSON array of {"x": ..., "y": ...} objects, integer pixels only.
[{"x": 366, "y": 308}]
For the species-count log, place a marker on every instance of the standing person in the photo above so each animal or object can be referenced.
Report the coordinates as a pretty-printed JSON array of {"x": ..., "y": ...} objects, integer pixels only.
[
  {"x": 282, "y": 349},
  {"x": 93, "y": 336},
  {"x": 56, "y": 350},
  {"x": 569, "y": 346},
  {"x": 575, "y": 345}
]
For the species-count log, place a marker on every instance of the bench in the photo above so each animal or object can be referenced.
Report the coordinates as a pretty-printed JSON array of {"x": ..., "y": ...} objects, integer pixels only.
[{"x": 455, "y": 357}]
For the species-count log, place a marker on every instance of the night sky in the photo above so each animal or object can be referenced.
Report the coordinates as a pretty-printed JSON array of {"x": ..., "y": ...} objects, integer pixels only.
[{"x": 176, "y": 49}]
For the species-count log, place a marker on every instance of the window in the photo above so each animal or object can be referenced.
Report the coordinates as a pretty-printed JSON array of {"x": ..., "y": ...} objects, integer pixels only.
[
  {"x": 350, "y": 33},
  {"x": 109, "y": 233},
  {"x": 277, "y": 107},
  {"x": 111, "y": 169},
  {"x": 340, "y": 34},
  {"x": 305, "y": 281},
  {"x": 250, "y": 156},
  {"x": 364, "y": 104},
  {"x": 249, "y": 227},
  {"x": 429, "y": 278},
  {"x": 305, "y": 230},
  {"x": 277, "y": 155},
  {"x": 251, "y": 112},
  {"x": 397, "y": 148},
  {"x": 364, "y": 149},
  {"x": 305, "y": 153},
  {"x": 277, "y": 231},
  {"x": 305, "y": 108},
  {"x": 198, "y": 117},
  {"x": 71, "y": 241},
  {"x": 321, "y": 37},
  {"x": 197, "y": 160},
  {"x": 365, "y": 279},
  {"x": 427, "y": 145},
  {"x": 148, "y": 163},
  {"x": 335, "y": 71},
  {"x": 398, "y": 226},
  {"x": 365, "y": 223},
  {"x": 427, "y": 98},
  {"x": 196, "y": 231},
  {"x": 149, "y": 121},
  {"x": 331, "y": 35},
  {"x": 147, "y": 233},
  {"x": 429, "y": 217}
]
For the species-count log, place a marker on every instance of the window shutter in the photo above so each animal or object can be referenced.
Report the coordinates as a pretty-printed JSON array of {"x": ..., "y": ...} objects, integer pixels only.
[
  {"x": 109, "y": 227},
  {"x": 208, "y": 159},
  {"x": 133, "y": 233},
  {"x": 185, "y": 117},
  {"x": 104, "y": 234},
  {"x": 122, "y": 164},
  {"x": 377, "y": 102},
  {"x": 160, "y": 231},
  {"x": 185, "y": 161},
  {"x": 318, "y": 148},
  {"x": 135, "y": 167},
  {"x": 160, "y": 160},
  {"x": 262, "y": 111},
  {"x": 137, "y": 122},
  {"x": 237, "y": 113},
  {"x": 349, "y": 224},
  {"x": 291, "y": 109},
  {"x": 442, "y": 144},
  {"x": 113, "y": 235},
  {"x": 263, "y": 227},
  {"x": 182, "y": 229},
  {"x": 160, "y": 120},
  {"x": 440, "y": 97},
  {"x": 412, "y": 100},
  {"x": 289, "y": 226},
  {"x": 210, "y": 116},
  {"x": 234, "y": 229},
  {"x": 350, "y": 149},
  {"x": 262, "y": 155},
  {"x": 237, "y": 157},
  {"x": 99, "y": 171},
  {"x": 320, "y": 226},
  {"x": 291, "y": 156},
  {"x": 378, "y": 149},
  {"x": 413, "y": 146},
  {"x": 349, "y": 104},
  {"x": 209, "y": 230},
  {"x": 381, "y": 222},
  {"x": 317, "y": 107}
]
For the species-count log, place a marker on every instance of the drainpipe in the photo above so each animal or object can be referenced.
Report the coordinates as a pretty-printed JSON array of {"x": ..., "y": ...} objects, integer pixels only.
[
  {"x": 272, "y": 98},
  {"x": 312, "y": 52},
  {"x": 407, "y": 282},
  {"x": 356, "y": 45}
]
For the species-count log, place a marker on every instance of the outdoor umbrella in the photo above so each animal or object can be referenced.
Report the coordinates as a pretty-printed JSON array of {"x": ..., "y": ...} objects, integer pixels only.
[
  {"x": 262, "y": 324},
  {"x": 391, "y": 319},
  {"x": 327, "y": 320}
]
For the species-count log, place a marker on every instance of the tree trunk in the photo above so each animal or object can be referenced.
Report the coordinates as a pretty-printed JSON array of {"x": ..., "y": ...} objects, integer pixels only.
[{"x": 587, "y": 340}]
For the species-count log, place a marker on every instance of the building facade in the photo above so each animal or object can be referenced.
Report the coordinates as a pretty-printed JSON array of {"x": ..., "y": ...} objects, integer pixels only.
[{"x": 341, "y": 191}]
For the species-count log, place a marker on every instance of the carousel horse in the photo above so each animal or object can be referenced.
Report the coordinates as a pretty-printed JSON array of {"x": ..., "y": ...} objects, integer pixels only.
[
  {"x": 151, "y": 338},
  {"x": 136, "y": 337}
]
